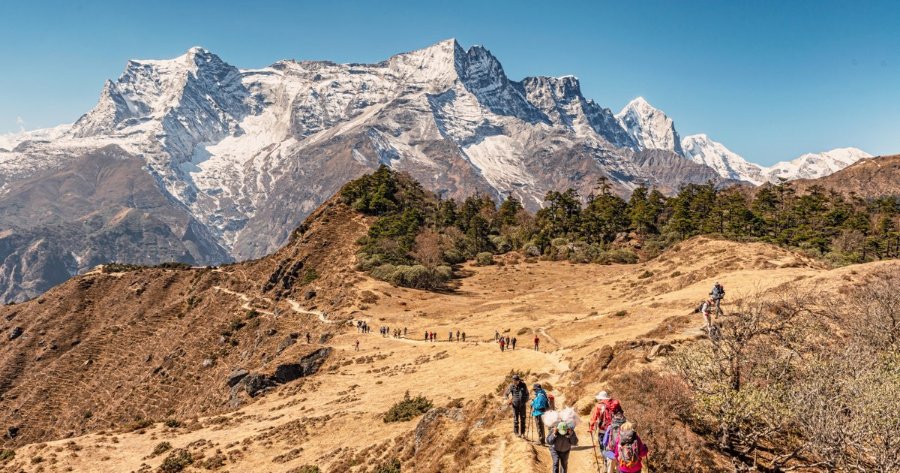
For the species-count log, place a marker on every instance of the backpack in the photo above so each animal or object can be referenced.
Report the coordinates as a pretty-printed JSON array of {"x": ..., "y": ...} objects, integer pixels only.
[
  {"x": 612, "y": 407},
  {"x": 540, "y": 403},
  {"x": 614, "y": 432},
  {"x": 551, "y": 401},
  {"x": 629, "y": 452}
]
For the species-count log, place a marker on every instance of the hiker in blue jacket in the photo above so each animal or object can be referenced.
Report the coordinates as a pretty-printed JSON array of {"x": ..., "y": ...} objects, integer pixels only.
[{"x": 539, "y": 405}]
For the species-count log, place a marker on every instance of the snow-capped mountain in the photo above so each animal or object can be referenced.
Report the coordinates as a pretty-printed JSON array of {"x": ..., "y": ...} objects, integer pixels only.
[
  {"x": 701, "y": 149},
  {"x": 815, "y": 165},
  {"x": 204, "y": 162},
  {"x": 649, "y": 127}
]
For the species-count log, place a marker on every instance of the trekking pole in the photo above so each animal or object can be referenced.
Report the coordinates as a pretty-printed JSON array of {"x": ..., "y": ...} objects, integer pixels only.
[{"x": 594, "y": 449}]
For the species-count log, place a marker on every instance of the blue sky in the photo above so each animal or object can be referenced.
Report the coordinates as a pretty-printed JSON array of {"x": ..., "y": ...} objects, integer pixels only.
[{"x": 770, "y": 80}]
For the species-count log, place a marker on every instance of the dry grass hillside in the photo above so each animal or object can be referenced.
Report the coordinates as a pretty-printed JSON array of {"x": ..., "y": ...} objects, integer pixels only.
[
  {"x": 105, "y": 350},
  {"x": 867, "y": 178},
  {"x": 117, "y": 350}
]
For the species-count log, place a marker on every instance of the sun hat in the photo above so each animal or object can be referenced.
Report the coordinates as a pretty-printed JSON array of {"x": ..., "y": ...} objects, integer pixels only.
[
  {"x": 562, "y": 427},
  {"x": 602, "y": 396}
]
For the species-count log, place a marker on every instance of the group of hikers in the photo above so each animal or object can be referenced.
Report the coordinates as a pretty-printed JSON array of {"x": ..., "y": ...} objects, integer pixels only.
[
  {"x": 619, "y": 444},
  {"x": 432, "y": 336},
  {"x": 507, "y": 343},
  {"x": 362, "y": 327}
]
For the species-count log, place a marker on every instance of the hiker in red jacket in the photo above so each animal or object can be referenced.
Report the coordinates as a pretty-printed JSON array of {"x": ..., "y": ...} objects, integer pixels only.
[
  {"x": 502, "y": 344},
  {"x": 603, "y": 412},
  {"x": 537, "y": 343}
]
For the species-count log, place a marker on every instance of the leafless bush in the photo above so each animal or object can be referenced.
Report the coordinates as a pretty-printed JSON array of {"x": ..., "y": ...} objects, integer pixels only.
[
  {"x": 741, "y": 377},
  {"x": 800, "y": 381}
]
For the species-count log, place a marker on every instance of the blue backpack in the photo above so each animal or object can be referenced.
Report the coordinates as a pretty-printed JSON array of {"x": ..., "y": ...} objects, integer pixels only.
[{"x": 540, "y": 403}]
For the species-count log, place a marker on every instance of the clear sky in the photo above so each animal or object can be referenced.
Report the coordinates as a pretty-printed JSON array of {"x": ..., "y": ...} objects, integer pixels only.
[{"x": 770, "y": 80}]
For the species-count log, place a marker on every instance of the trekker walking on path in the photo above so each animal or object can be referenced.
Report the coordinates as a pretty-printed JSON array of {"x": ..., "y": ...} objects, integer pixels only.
[
  {"x": 457, "y": 335},
  {"x": 517, "y": 393},
  {"x": 610, "y": 437},
  {"x": 629, "y": 450},
  {"x": 496, "y": 335},
  {"x": 502, "y": 345},
  {"x": 507, "y": 342},
  {"x": 514, "y": 343},
  {"x": 538, "y": 406},
  {"x": 308, "y": 338},
  {"x": 537, "y": 343},
  {"x": 426, "y": 335},
  {"x": 561, "y": 441},
  {"x": 464, "y": 336},
  {"x": 706, "y": 309},
  {"x": 717, "y": 294},
  {"x": 357, "y": 344},
  {"x": 450, "y": 336},
  {"x": 602, "y": 415}
]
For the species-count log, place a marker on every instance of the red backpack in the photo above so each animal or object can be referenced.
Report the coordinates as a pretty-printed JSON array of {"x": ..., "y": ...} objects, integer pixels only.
[{"x": 612, "y": 407}]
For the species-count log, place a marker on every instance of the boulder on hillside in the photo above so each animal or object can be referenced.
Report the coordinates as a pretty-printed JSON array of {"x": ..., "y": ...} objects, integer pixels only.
[
  {"x": 305, "y": 366},
  {"x": 236, "y": 376},
  {"x": 15, "y": 333}
]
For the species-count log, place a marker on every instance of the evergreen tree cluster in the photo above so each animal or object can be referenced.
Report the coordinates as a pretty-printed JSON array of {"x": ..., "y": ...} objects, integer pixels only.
[{"x": 417, "y": 237}]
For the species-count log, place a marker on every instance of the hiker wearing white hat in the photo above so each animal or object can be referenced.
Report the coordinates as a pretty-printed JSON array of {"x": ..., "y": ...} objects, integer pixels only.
[{"x": 603, "y": 412}]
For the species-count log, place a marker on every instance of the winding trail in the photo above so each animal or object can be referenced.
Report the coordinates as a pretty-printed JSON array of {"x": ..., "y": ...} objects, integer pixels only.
[{"x": 295, "y": 306}]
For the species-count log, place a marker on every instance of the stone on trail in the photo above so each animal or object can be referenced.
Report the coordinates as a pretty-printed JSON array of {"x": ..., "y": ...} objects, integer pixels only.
[{"x": 15, "y": 333}]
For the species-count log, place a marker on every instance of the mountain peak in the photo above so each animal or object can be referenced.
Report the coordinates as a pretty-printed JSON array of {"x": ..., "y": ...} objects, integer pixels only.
[
  {"x": 650, "y": 127},
  {"x": 197, "y": 50},
  {"x": 701, "y": 149}
]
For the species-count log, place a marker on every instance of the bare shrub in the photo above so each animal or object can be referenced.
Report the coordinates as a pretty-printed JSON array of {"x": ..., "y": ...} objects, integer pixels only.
[{"x": 427, "y": 249}]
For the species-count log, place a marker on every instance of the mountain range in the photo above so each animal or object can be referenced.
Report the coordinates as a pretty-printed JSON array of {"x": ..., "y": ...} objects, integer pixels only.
[{"x": 192, "y": 159}]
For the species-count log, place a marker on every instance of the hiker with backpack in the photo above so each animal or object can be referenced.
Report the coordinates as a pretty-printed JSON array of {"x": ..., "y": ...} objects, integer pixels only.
[
  {"x": 628, "y": 450},
  {"x": 603, "y": 412},
  {"x": 517, "y": 394},
  {"x": 514, "y": 343},
  {"x": 539, "y": 405},
  {"x": 561, "y": 441},
  {"x": 610, "y": 437},
  {"x": 717, "y": 294},
  {"x": 464, "y": 336},
  {"x": 502, "y": 344},
  {"x": 706, "y": 309},
  {"x": 537, "y": 343}
]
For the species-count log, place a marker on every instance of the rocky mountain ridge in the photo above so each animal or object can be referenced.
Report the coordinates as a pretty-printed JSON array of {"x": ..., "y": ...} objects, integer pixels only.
[{"x": 245, "y": 154}]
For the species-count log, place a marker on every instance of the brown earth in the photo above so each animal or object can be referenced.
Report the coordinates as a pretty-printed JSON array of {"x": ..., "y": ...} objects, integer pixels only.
[
  {"x": 110, "y": 350},
  {"x": 593, "y": 321}
]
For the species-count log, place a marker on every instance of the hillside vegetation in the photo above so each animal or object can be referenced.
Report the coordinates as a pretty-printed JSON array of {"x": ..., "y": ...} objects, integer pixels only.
[{"x": 417, "y": 237}]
